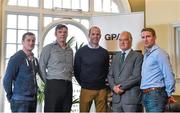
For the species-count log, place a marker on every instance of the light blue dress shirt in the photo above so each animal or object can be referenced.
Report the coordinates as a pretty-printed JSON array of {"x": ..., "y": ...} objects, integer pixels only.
[{"x": 157, "y": 70}]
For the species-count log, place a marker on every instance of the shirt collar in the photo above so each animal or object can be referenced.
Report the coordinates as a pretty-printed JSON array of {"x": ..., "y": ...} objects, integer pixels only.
[
  {"x": 56, "y": 43},
  {"x": 127, "y": 51},
  {"x": 93, "y": 47},
  {"x": 150, "y": 50}
]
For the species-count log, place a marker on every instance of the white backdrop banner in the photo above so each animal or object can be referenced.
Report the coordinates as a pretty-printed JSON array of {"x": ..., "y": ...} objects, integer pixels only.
[{"x": 112, "y": 26}]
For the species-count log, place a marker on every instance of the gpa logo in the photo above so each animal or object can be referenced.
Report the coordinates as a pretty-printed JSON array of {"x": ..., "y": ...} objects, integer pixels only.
[{"x": 111, "y": 36}]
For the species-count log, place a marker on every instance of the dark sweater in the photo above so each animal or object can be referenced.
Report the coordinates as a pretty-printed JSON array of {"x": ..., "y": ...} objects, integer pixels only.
[{"x": 91, "y": 67}]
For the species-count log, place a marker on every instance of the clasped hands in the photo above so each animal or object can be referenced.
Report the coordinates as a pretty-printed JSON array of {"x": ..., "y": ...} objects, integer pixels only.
[{"x": 117, "y": 89}]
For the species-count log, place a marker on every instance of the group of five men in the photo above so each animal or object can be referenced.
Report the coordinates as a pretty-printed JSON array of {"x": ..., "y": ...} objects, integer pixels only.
[{"x": 132, "y": 77}]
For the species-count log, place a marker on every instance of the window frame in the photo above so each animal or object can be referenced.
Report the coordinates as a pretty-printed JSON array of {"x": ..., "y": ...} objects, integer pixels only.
[{"x": 173, "y": 48}]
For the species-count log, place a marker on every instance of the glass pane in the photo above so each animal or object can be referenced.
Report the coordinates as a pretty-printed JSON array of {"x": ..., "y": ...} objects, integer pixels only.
[
  {"x": 7, "y": 60},
  {"x": 75, "y": 4},
  {"x": 114, "y": 8},
  {"x": 6, "y": 102},
  {"x": 78, "y": 20},
  {"x": 56, "y": 19},
  {"x": 22, "y": 2},
  {"x": 34, "y": 3},
  {"x": 50, "y": 37},
  {"x": 67, "y": 4},
  {"x": 106, "y": 6},
  {"x": 85, "y": 23},
  {"x": 85, "y": 5},
  {"x": 98, "y": 5},
  {"x": 20, "y": 47},
  {"x": 48, "y": 4},
  {"x": 33, "y": 22},
  {"x": 78, "y": 34},
  {"x": 11, "y": 36},
  {"x": 10, "y": 50},
  {"x": 12, "y": 2},
  {"x": 20, "y": 34},
  {"x": 11, "y": 21},
  {"x": 36, "y": 35},
  {"x": 57, "y": 3},
  {"x": 47, "y": 20},
  {"x": 22, "y": 22},
  {"x": 35, "y": 51}
]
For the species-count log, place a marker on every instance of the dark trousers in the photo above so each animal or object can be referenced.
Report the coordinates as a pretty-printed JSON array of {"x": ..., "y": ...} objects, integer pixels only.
[
  {"x": 58, "y": 96},
  {"x": 23, "y": 106}
]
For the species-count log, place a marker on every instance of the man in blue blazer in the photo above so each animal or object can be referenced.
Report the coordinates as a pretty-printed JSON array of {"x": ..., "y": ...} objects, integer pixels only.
[{"x": 125, "y": 75}]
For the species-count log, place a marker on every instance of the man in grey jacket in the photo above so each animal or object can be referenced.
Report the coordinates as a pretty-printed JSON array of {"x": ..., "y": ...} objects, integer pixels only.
[
  {"x": 56, "y": 64},
  {"x": 124, "y": 76}
]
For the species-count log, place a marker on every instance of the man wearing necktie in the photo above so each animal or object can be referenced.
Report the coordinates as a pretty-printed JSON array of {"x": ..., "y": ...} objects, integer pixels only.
[{"x": 125, "y": 75}]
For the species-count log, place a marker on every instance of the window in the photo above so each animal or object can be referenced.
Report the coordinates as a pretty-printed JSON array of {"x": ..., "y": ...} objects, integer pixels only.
[
  {"x": 15, "y": 29},
  {"x": 27, "y": 3},
  {"x": 67, "y": 4},
  {"x": 105, "y": 6},
  {"x": 177, "y": 51}
]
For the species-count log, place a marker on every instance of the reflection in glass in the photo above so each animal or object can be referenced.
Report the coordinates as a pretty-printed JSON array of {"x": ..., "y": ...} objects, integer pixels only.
[
  {"x": 10, "y": 50},
  {"x": 22, "y": 22},
  {"x": 10, "y": 23},
  {"x": 11, "y": 36},
  {"x": 33, "y": 22}
]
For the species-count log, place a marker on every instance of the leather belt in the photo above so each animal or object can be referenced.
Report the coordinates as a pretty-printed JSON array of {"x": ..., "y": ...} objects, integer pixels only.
[{"x": 152, "y": 89}]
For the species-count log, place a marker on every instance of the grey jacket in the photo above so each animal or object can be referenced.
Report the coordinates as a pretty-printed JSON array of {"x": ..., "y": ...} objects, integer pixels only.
[{"x": 128, "y": 75}]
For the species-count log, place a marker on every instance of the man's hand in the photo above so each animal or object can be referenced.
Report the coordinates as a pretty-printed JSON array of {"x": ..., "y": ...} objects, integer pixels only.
[
  {"x": 171, "y": 100},
  {"x": 117, "y": 89}
]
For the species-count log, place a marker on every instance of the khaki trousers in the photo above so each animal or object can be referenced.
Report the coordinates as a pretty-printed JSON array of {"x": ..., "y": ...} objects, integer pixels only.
[{"x": 99, "y": 96}]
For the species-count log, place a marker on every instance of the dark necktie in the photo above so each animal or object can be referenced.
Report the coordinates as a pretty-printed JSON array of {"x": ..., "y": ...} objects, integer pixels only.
[{"x": 122, "y": 58}]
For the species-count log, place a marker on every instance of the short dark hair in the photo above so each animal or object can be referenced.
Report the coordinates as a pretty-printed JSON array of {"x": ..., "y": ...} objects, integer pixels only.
[
  {"x": 27, "y": 34},
  {"x": 150, "y": 30},
  {"x": 60, "y": 26}
]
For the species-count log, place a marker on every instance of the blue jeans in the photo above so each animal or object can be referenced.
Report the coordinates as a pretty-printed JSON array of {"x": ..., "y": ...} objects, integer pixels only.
[
  {"x": 155, "y": 101},
  {"x": 23, "y": 106}
]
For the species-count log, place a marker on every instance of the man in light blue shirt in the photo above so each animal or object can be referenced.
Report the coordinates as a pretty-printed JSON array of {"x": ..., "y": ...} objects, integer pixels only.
[{"x": 157, "y": 81}]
